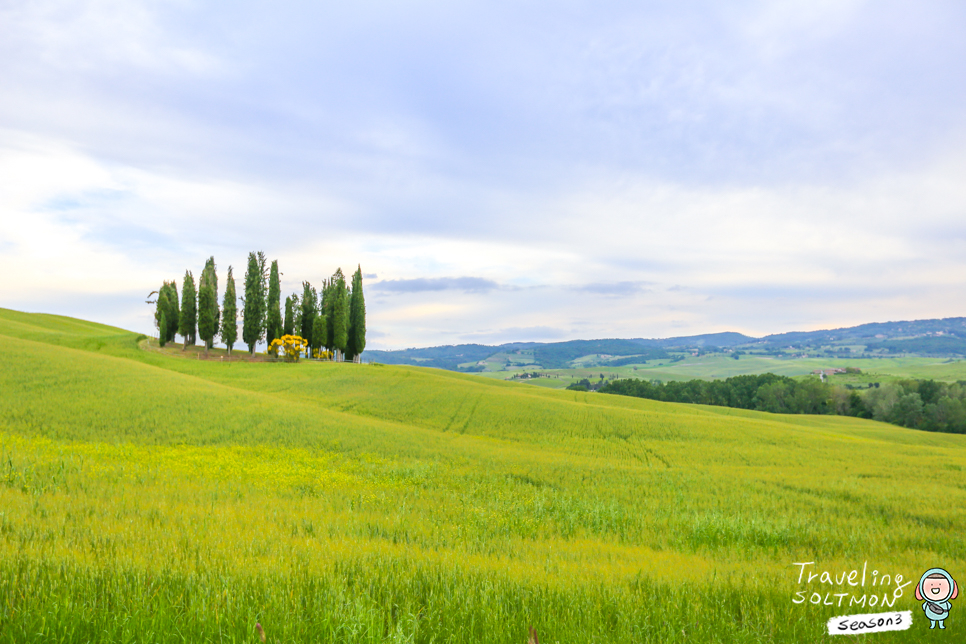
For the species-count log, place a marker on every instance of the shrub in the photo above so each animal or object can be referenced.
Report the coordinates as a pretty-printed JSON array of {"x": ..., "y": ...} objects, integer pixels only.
[{"x": 291, "y": 345}]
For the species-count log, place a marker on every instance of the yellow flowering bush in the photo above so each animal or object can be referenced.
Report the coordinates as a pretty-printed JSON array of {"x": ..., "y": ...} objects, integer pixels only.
[{"x": 292, "y": 347}]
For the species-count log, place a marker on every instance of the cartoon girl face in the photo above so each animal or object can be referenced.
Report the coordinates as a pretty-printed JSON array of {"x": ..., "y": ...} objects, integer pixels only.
[{"x": 936, "y": 588}]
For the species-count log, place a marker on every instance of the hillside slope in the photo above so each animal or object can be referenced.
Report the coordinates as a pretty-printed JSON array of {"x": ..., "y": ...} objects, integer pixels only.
[{"x": 134, "y": 478}]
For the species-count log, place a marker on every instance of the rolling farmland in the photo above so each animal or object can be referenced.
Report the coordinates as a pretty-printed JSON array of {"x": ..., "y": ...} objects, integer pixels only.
[
  {"x": 148, "y": 497},
  {"x": 711, "y": 367}
]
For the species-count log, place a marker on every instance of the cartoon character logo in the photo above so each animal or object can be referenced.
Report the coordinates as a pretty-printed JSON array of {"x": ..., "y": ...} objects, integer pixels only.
[{"x": 935, "y": 590}]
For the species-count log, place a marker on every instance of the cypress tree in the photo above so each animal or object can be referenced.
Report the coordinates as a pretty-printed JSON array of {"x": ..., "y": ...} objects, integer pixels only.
[
  {"x": 162, "y": 328},
  {"x": 357, "y": 317},
  {"x": 318, "y": 332},
  {"x": 171, "y": 311},
  {"x": 288, "y": 326},
  {"x": 189, "y": 311},
  {"x": 167, "y": 306},
  {"x": 206, "y": 313},
  {"x": 340, "y": 313},
  {"x": 209, "y": 278},
  {"x": 253, "y": 326},
  {"x": 229, "y": 311},
  {"x": 160, "y": 306},
  {"x": 309, "y": 299},
  {"x": 273, "y": 321},
  {"x": 296, "y": 314},
  {"x": 330, "y": 316},
  {"x": 324, "y": 297},
  {"x": 329, "y": 299}
]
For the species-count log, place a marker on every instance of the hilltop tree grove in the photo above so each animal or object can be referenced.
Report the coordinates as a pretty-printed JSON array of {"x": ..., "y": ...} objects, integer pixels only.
[{"x": 333, "y": 317}]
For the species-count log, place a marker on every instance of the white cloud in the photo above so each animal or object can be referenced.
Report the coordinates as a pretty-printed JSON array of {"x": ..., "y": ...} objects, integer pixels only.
[
  {"x": 781, "y": 165},
  {"x": 623, "y": 248},
  {"x": 103, "y": 35}
]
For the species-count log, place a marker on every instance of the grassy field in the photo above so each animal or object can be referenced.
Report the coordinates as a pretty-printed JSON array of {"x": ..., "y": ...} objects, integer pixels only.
[{"x": 145, "y": 497}]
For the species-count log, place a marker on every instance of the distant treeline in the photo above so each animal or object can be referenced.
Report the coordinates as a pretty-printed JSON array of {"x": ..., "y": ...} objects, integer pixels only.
[
  {"x": 918, "y": 404},
  {"x": 764, "y": 392}
]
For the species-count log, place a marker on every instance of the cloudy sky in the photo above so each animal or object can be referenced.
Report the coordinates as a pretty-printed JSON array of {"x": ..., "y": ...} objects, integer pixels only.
[{"x": 502, "y": 171}]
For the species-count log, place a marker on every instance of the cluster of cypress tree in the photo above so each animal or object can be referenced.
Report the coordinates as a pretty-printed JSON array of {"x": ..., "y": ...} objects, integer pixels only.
[{"x": 333, "y": 318}]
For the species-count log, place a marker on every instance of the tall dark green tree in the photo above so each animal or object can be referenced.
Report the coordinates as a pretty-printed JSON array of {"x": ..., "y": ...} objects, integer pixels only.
[
  {"x": 357, "y": 317},
  {"x": 162, "y": 329},
  {"x": 206, "y": 314},
  {"x": 167, "y": 305},
  {"x": 253, "y": 325},
  {"x": 288, "y": 326},
  {"x": 296, "y": 314},
  {"x": 160, "y": 307},
  {"x": 188, "y": 323},
  {"x": 229, "y": 313},
  {"x": 340, "y": 313},
  {"x": 318, "y": 333},
  {"x": 273, "y": 320},
  {"x": 209, "y": 311},
  {"x": 325, "y": 312},
  {"x": 172, "y": 310},
  {"x": 309, "y": 308}
]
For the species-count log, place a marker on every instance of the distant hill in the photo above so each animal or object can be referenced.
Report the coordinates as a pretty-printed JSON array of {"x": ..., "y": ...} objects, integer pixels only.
[
  {"x": 940, "y": 337},
  {"x": 444, "y": 357},
  {"x": 726, "y": 339},
  {"x": 872, "y": 333},
  {"x": 930, "y": 345},
  {"x": 552, "y": 355}
]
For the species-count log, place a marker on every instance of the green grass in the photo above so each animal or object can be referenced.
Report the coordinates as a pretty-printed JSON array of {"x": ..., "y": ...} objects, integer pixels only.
[{"x": 147, "y": 497}]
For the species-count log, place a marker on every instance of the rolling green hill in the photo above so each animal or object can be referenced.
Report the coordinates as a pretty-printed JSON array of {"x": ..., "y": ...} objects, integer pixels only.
[{"x": 145, "y": 497}]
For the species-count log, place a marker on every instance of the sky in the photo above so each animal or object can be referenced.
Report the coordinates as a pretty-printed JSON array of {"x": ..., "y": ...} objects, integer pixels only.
[{"x": 501, "y": 171}]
